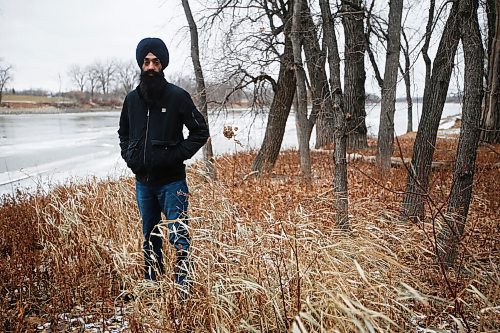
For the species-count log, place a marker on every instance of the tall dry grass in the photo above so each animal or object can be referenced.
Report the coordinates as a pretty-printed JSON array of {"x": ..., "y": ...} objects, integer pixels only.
[{"x": 266, "y": 254}]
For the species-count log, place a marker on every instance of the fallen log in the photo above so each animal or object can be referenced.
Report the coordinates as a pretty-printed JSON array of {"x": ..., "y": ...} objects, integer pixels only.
[
  {"x": 395, "y": 161},
  {"x": 399, "y": 162}
]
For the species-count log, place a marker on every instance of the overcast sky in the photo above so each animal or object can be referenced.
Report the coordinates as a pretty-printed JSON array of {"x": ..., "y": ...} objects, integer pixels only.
[{"x": 41, "y": 39}]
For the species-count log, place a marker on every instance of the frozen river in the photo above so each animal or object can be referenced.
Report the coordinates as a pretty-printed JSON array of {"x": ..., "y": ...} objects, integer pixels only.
[{"x": 39, "y": 150}]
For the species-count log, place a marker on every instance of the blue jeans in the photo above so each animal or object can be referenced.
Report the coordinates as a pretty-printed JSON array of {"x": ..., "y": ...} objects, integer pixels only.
[{"x": 172, "y": 200}]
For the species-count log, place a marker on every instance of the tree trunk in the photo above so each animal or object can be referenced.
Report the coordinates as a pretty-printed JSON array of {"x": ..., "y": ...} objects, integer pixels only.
[
  {"x": 278, "y": 113},
  {"x": 320, "y": 91},
  {"x": 491, "y": 17},
  {"x": 303, "y": 130},
  {"x": 461, "y": 190},
  {"x": 354, "y": 76},
  {"x": 434, "y": 99},
  {"x": 340, "y": 187},
  {"x": 406, "y": 78},
  {"x": 491, "y": 113},
  {"x": 388, "y": 106},
  {"x": 409, "y": 101},
  {"x": 425, "y": 49},
  {"x": 208, "y": 155}
]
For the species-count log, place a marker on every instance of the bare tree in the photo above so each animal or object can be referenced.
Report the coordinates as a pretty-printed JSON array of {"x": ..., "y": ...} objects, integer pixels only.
[
  {"x": 381, "y": 35},
  {"x": 388, "y": 106},
  {"x": 241, "y": 90},
  {"x": 254, "y": 40},
  {"x": 92, "y": 79},
  {"x": 461, "y": 190},
  {"x": 376, "y": 26},
  {"x": 425, "y": 49},
  {"x": 434, "y": 98},
  {"x": 303, "y": 130},
  {"x": 78, "y": 77},
  {"x": 105, "y": 74},
  {"x": 127, "y": 76},
  {"x": 208, "y": 154},
  {"x": 278, "y": 113},
  {"x": 355, "y": 75},
  {"x": 284, "y": 89},
  {"x": 315, "y": 58},
  {"x": 492, "y": 17},
  {"x": 5, "y": 76},
  {"x": 340, "y": 136},
  {"x": 405, "y": 49},
  {"x": 491, "y": 114}
]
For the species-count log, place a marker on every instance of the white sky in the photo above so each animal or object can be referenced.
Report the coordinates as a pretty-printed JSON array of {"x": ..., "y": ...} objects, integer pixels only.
[{"x": 41, "y": 39}]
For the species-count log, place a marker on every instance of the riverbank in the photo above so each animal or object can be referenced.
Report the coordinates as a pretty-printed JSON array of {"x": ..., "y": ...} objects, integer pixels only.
[{"x": 54, "y": 110}]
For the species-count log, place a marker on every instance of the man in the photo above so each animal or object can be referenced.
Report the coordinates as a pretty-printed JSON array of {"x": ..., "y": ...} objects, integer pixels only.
[{"x": 153, "y": 145}]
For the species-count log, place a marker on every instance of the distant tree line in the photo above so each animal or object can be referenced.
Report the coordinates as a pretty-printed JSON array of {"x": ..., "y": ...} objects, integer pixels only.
[
  {"x": 113, "y": 79},
  {"x": 103, "y": 79}
]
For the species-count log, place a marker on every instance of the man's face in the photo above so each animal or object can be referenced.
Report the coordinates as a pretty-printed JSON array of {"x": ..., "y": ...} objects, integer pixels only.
[{"x": 151, "y": 63}]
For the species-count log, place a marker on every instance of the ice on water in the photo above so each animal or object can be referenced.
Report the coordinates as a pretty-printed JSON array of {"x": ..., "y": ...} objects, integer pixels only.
[{"x": 41, "y": 150}]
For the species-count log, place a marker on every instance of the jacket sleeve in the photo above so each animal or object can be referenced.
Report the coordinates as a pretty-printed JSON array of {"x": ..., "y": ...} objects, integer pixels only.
[
  {"x": 123, "y": 130},
  {"x": 197, "y": 126}
]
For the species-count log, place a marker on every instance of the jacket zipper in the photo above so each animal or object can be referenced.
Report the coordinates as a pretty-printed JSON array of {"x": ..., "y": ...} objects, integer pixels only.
[{"x": 145, "y": 145}]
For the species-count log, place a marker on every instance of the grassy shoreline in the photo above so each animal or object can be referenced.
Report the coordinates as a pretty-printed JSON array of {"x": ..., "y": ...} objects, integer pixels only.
[
  {"x": 53, "y": 110},
  {"x": 31, "y": 104}
]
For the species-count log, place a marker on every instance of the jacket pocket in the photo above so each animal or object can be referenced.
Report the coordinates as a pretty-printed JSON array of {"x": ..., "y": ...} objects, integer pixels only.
[
  {"x": 163, "y": 143},
  {"x": 134, "y": 156},
  {"x": 165, "y": 154}
]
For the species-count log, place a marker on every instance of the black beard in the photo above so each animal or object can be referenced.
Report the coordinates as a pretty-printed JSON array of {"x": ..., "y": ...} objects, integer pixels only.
[{"x": 151, "y": 86}]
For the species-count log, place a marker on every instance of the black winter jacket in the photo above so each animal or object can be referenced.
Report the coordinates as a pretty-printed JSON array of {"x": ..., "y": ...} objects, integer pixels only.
[{"x": 151, "y": 138}]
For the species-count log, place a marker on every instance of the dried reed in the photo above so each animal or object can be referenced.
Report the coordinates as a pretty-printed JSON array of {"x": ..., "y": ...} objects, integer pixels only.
[{"x": 266, "y": 254}]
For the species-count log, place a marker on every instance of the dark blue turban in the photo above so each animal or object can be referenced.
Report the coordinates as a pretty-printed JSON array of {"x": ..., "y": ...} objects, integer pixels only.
[{"x": 155, "y": 46}]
